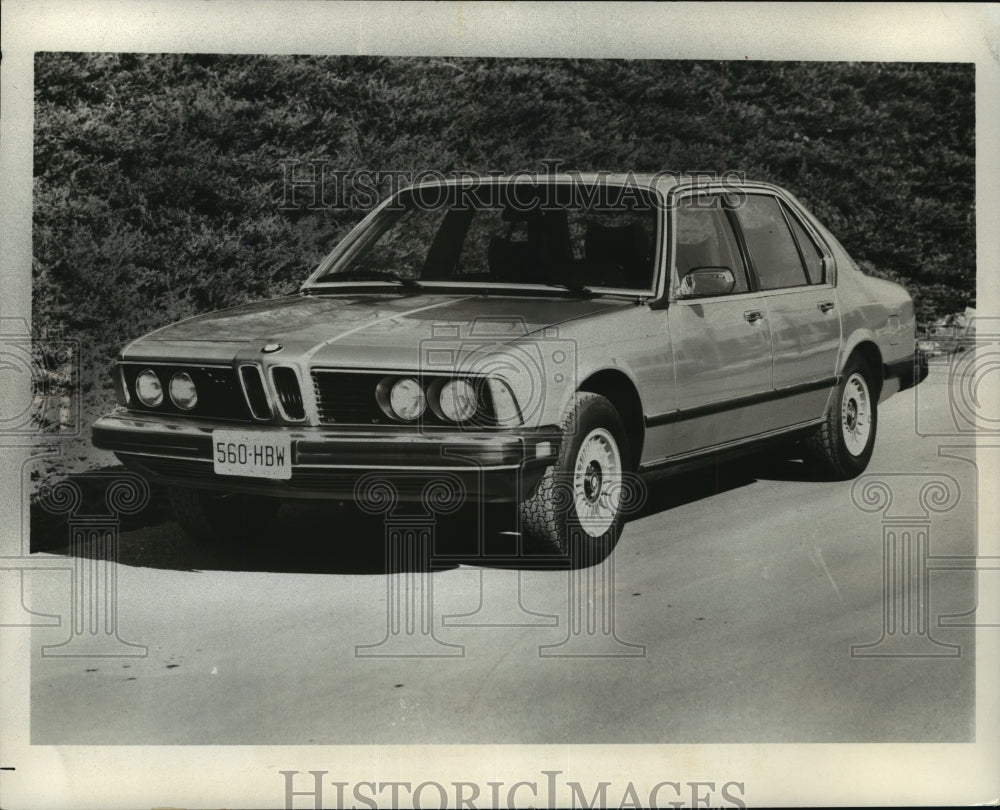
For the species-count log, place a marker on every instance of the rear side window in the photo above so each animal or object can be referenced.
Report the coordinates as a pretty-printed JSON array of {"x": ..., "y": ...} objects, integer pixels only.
[
  {"x": 811, "y": 254},
  {"x": 772, "y": 248}
]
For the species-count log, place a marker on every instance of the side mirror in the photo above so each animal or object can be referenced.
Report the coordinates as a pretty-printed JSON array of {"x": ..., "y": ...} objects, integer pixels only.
[{"x": 707, "y": 281}]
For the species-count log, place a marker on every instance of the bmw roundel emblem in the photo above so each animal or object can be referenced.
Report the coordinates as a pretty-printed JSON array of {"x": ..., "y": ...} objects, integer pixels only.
[{"x": 271, "y": 348}]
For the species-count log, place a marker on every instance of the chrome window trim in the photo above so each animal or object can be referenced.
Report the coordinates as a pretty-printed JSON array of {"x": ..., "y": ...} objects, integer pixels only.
[
  {"x": 670, "y": 273},
  {"x": 785, "y": 201}
]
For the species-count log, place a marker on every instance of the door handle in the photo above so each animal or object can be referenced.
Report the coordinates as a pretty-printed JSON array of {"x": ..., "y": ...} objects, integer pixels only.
[
  {"x": 753, "y": 315},
  {"x": 825, "y": 306}
]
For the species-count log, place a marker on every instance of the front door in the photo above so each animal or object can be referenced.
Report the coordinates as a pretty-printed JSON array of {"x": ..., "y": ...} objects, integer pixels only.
[{"x": 721, "y": 343}]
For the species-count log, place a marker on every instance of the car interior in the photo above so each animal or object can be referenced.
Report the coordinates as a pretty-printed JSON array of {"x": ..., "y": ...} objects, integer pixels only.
[{"x": 538, "y": 246}]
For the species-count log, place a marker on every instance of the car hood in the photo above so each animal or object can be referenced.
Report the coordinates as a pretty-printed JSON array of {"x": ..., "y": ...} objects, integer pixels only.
[{"x": 357, "y": 330}]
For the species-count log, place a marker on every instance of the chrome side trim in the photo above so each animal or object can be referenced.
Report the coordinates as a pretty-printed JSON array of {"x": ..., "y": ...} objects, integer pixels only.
[
  {"x": 296, "y": 466},
  {"x": 163, "y": 455},
  {"x": 470, "y": 468},
  {"x": 715, "y": 448},
  {"x": 134, "y": 422},
  {"x": 445, "y": 438},
  {"x": 177, "y": 363},
  {"x": 402, "y": 372},
  {"x": 716, "y": 408}
]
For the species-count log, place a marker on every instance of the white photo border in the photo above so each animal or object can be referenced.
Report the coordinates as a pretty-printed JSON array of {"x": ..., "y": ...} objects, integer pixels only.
[{"x": 228, "y": 776}]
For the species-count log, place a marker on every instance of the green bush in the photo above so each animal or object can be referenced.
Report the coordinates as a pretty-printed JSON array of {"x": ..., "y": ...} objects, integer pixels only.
[{"x": 159, "y": 177}]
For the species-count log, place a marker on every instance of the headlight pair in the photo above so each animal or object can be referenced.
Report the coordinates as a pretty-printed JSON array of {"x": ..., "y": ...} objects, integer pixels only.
[
  {"x": 149, "y": 390},
  {"x": 406, "y": 399}
]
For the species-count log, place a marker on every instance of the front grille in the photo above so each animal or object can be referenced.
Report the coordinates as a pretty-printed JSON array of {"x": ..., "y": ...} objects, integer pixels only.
[
  {"x": 256, "y": 397},
  {"x": 349, "y": 398},
  {"x": 286, "y": 385},
  {"x": 219, "y": 394}
]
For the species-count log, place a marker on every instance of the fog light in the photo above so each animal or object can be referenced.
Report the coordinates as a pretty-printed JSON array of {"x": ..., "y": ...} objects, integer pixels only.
[
  {"x": 182, "y": 391},
  {"x": 148, "y": 388}
]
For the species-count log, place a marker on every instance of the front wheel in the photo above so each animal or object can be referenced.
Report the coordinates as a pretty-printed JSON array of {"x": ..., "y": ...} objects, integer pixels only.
[
  {"x": 213, "y": 517},
  {"x": 576, "y": 510},
  {"x": 842, "y": 446}
]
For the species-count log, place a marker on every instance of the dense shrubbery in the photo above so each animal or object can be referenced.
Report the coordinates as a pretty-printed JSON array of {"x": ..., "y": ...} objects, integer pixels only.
[{"x": 158, "y": 178}]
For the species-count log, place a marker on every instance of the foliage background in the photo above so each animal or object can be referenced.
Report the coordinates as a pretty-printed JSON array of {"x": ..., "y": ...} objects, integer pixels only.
[{"x": 158, "y": 178}]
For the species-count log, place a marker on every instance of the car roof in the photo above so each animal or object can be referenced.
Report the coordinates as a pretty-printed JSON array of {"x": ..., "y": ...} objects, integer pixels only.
[{"x": 662, "y": 181}]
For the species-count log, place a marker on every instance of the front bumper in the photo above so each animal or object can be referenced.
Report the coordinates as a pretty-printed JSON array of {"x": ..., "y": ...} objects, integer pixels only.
[{"x": 339, "y": 463}]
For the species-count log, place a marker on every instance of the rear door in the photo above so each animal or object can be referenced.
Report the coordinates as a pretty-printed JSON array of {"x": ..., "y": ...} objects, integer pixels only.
[{"x": 793, "y": 269}]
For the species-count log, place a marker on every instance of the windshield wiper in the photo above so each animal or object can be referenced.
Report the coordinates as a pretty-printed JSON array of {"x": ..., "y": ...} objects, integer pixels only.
[
  {"x": 371, "y": 275},
  {"x": 581, "y": 290}
]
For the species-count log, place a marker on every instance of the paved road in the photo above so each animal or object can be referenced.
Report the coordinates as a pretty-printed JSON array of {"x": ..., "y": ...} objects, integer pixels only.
[{"x": 727, "y": 614}]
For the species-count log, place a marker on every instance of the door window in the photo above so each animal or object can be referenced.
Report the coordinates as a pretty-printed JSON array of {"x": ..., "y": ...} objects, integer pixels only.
[
  {"x": 705, "y": 239},
  {"x": 812, "y": 256},
  {"x": 775, "y": 255}
]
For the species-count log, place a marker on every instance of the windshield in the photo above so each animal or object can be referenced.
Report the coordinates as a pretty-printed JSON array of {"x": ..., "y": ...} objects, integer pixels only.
[{"x": 528, "y": 235}]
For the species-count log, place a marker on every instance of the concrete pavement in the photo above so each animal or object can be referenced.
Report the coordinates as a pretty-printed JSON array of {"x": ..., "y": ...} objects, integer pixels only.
[{"x": 727, "y": 614}]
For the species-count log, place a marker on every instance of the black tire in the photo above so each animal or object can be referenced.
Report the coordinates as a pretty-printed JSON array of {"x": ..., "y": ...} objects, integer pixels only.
[
  {"x": 551, "y": 520},
  {"x": 213, "y": 517},
  {"x": 842, "y": 446}
]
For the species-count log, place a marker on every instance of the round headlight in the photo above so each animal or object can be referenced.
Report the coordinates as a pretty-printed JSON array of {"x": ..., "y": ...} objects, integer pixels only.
[
  {"x": 182, "y": 391},
  {"x": 407, "y": 399},
  {"x": 148, "y": 388},
  {"x": 458, "y": 400}
]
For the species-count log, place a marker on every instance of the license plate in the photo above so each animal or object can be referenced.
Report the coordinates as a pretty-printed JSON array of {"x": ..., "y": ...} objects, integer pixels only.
[{"x": 253, "y": 454}]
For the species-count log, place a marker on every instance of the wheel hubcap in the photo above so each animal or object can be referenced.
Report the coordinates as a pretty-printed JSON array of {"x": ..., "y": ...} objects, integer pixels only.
[
  {"x": 597, "y": 482},
  {"x": 856, "y": 414},
  {"x": 592, "y": 480}
]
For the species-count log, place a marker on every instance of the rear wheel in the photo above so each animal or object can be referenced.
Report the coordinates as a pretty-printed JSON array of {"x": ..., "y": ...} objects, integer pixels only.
[
  {"x": 843, "y": 445},
  {"x": 214, "y": 517},
  {"x": 576, "y": 510}
]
